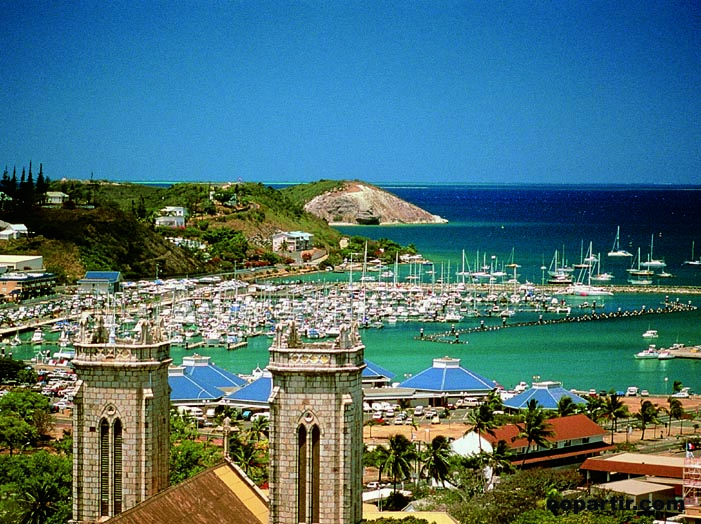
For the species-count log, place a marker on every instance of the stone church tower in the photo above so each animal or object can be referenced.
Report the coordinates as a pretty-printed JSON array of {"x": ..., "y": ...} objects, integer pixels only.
[
  {"x": 316, "y": 428},
  {"x": 121, "y": 420}
]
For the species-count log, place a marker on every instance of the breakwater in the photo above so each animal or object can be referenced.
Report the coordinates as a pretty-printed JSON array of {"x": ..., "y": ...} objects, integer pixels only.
[{"x": 453, "y": 335}]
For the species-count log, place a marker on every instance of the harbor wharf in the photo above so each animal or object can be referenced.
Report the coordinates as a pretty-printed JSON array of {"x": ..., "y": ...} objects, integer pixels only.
[{"x": 452, "y": 336}]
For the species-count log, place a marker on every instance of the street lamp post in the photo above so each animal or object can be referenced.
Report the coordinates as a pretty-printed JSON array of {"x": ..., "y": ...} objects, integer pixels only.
[{"x": 666, "y": 380}]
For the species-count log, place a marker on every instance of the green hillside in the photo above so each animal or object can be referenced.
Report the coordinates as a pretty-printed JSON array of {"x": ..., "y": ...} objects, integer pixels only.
[{"x": 110, "y": 226}]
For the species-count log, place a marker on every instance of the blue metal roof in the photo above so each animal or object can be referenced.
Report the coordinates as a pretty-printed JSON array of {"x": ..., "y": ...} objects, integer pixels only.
[
  {"x": 185, "y": 388},
  {"x": 110, "y": 276},
  {"x": 547, "y": 394},
  {"x": 256, "y": 392},
  {"x": 447, "y": 376},
  {"x": 204, "y": 372},
  {"x": 372, "y": 370}
]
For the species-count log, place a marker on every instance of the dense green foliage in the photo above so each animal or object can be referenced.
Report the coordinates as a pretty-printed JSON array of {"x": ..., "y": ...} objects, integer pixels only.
[
  {"x": 189, "y": 455},
  {"x": 36, "y": 488},
  {"x": 302, "y": 193}
]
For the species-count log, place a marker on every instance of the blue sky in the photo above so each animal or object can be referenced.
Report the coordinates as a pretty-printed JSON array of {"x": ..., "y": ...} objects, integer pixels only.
[{"x": 408, "y": 91}]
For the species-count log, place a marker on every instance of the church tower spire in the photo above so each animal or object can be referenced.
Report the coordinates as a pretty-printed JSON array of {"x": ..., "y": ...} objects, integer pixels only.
[
  {"x": 316, "y": 428},
  {"x": 121, "y": 418}
]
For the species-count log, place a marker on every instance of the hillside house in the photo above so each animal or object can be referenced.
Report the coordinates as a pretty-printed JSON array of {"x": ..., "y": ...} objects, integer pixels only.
[
  {"x": 14, "y": 231},
  {"x": 172, "y": 216},
  {"x": 292, "y": 241},
  {"x": 55, "y": 198}
]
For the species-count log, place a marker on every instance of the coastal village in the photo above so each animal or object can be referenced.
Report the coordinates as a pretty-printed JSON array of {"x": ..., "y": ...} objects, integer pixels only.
[{"x": 611, "y": 438}]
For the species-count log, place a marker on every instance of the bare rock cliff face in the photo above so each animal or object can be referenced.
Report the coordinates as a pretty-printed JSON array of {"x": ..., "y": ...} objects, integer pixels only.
[{"x": 358, "y": 203}]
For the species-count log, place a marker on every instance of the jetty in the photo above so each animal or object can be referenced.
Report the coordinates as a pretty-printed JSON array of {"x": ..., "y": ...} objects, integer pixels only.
[
  {"x": 453, "y": 335},
  {"x": 681, "y": 351}
]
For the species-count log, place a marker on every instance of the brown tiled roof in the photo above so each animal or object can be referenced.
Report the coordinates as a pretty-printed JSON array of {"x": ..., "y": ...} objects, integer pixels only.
[
  {"x": 219, "y": 494},
  {"x": 564, "y": 428},
  {"x": 568, "y": 454},
  {"x": 636, "y": 464}
]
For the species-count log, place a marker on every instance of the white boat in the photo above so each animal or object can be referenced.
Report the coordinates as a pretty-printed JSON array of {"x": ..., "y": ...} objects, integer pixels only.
[
  {"x": 616, "y": 250},
  {"x": 639, "y": 276},
  {"x": 38, "y": 336},
  {"x": 691, "y": 261},
  {"x": 665, "y": 355},
  {"x": 649, "y": 353},
  {"x": 653, "y": 263},
  {"x": 650, "y": 333}
]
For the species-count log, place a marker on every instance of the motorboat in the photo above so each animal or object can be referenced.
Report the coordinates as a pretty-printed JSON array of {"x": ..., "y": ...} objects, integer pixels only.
[
  {"x": 649, "y": 353},
  {"x": 38, "y": 336},
  {"x": 665, "y": 355},
  {"x": 650, "y": 333}
]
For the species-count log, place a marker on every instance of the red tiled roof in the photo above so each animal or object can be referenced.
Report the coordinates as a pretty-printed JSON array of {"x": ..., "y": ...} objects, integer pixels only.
[{"x": 564, "y": 428}]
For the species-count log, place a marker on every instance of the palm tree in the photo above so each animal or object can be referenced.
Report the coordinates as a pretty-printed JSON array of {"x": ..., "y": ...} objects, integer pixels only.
[
  {"x": 259, "y": 426},
  {"x": 377, "y": 459},
  {"x": 535, "y": 428},
  {"x": 38, "y": 503},
  {"x": 498, "y": 460},
  {"x": 400, "y": 455},
  {"x": 481, "y": 420},
  {"x": 494, "y": 401},
  {"x": 594, "y": 408},
  {"x": 500, "y": 457},
  {"x": 436, "y": 460},
  {"x": 647, "y": 415},
  {"x": 566, "y": 406},
  {"x": 613, "y": 408},
  {"x": 675, "y": 411}
]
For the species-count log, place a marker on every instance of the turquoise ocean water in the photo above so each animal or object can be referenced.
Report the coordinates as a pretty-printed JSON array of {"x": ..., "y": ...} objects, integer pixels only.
[{"x": 531, "y": 223}]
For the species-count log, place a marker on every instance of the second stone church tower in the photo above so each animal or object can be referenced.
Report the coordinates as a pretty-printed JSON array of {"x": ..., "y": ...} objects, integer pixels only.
[{"x": 316, "y": 428}]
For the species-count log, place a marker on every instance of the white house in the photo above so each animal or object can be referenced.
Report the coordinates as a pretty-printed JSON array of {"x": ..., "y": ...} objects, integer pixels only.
[
  {"x": 172, "y": 216},
  {"x": 56, "y": 198},
  {"x": 292, "y": 241},
  {"x": 13, "y": 231}
]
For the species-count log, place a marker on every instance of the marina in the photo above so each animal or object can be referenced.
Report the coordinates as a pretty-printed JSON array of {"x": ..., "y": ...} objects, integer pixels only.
[{"x": 584, "y": 345}]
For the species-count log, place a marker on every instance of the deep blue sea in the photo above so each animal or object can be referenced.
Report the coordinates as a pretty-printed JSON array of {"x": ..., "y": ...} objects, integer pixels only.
[{"x": 533, "y": 222}]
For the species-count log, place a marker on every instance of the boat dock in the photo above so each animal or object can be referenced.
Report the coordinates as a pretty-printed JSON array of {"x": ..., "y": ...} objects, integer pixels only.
[{"x": 693, "y": 352}]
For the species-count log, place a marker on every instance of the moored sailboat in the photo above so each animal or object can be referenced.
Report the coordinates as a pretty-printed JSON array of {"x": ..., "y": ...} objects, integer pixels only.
[{"x": 616, "y": 250}]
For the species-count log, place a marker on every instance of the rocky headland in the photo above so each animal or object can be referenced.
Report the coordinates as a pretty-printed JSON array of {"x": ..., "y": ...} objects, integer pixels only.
[{"x": 359, "y": 203}]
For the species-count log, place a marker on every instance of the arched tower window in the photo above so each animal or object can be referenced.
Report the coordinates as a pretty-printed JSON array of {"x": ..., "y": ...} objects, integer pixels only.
[
  {"x": 117, "y": 466},
  {"x": 308, "y": 473},
  {"x": 104, "y": 468},
  {"x": 302, "y": 474},
  {"x": 316, "y": 444},
  {"x": 110, "y": 467}
]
